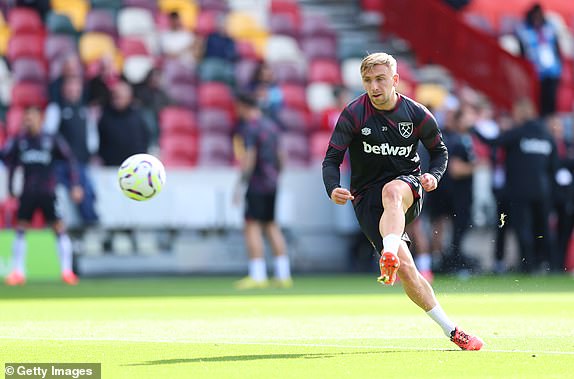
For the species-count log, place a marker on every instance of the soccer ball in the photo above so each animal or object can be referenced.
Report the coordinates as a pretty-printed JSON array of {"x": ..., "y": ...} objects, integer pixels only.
[{"x": 141, "y": 177}]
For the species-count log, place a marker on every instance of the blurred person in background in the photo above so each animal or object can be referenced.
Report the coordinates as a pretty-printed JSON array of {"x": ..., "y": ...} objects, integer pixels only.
[
  {"x": 261, "y": 164},
  {"x": 36, "y": 152},
  {"x": 218, "y": 44},
  {"x": 343, "y": 96},
  {"x": 530, "y": 165},
  {"x": 121, "y": 129},
  {"x": 266, "y": 91},
  {"x": 122, "y": 132},
  {"x": 71, "y": 66},
  {"x": 70, "y": 119},
  {"x": 150, "y": 98},
  {"x": 382, "y": 130},
  {"x": 452, "y": 202},
  {"x": 103, "y": 76},
  {"x": 563, "y": 189},
  {"x": 501, "y": 196},
  {"x": 178, "y": 42},
  {"x": 539, "y": 44}
]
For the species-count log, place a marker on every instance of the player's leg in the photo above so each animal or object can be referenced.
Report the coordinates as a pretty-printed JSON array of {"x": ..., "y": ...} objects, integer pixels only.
[
  {"x": 397, "y": 197},
  {"x": 423, "y": 259},
  {"x": 421, "y": 293},
  {"x": 276, "y": 239},
  {"x": 253, "y": 234},
  {"x": 18, "y": 274},
  {"x": 282, "y": 265},
  {"x": 63, "y": 242},
  {"x": 26, "y": 208}
]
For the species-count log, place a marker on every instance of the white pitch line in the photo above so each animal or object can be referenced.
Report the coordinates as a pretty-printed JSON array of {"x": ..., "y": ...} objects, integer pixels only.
[{"x": 340, "y": 346}]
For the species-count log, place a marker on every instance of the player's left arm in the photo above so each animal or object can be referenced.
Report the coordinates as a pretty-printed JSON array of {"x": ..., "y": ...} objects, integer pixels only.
[
  {"x": 10, "y": 157},
  {"x": 431, "y": 138},
  {"x": 63, "y": 151}
]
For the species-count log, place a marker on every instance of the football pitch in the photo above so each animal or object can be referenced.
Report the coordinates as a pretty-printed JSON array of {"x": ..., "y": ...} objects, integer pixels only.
[{"x": 324, "y": 327}]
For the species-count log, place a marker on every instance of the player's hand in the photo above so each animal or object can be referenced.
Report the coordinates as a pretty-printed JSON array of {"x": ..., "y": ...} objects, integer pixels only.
[
  {"x": 341, "y": 195},
  {"x": 77, "y": 194},
  {"x": 429, "y": 182}
]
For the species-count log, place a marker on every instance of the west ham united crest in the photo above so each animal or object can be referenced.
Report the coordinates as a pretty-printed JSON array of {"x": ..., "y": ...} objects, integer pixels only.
[{"x": 406, "y": 129}]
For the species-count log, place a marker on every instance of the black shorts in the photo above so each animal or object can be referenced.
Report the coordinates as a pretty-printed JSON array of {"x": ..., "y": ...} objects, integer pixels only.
[
  {"x": 30, "y": 202},
  {"x": 260, "y": 206},
  {"x": 369, "y": 209}
]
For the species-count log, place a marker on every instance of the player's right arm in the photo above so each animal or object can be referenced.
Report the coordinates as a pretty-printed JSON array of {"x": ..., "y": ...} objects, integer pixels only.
[{"x": 340, "y": 139}]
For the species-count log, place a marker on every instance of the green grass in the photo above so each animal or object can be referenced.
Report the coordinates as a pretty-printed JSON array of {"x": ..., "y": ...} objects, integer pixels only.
[{"x": 325, "y": 327}]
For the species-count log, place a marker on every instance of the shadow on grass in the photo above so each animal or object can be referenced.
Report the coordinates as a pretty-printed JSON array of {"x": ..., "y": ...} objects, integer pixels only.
[{"x": 258, "y": 357}]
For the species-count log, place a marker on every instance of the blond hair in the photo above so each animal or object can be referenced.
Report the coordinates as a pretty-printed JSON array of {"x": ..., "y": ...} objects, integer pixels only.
[{"x": 374, "y": 59}]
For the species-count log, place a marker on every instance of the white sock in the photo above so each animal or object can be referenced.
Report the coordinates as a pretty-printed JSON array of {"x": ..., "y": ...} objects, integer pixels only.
[
  {"x": 257, "y": 269},
  {"x": 423, "y": 262},
  {"x": 438, "y": 315},
  {"x": 282, "y": 267},
  {"x": 64, "y": 252},
  {"x": 391, "y": 243},
  {"x": 19, "y": 252}
]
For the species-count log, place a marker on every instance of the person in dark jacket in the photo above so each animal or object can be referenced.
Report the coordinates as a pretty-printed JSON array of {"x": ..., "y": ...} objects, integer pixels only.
[
  {"x": 123, "y": 133},
  {"x": 121, "y": 129},
  {"x": 531, "y": 163},
  {"x": 70, "y": 118}
]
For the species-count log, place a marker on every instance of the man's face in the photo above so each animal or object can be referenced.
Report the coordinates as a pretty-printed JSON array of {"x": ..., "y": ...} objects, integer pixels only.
[
  {"x": 121, "y": 96},
  {"x": 33, "y": 120},
  {"x": 379, "y": 82},
  {"x": 73, "y": 89}
]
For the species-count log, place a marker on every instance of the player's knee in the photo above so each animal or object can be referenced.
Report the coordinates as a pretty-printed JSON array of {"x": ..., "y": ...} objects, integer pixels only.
[{"x": 392, "y": 195}]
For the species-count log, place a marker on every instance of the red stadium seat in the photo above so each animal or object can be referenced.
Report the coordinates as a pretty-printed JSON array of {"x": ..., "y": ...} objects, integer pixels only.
[
  {"x": 25, "y": 46},
  {"x": 289, "y": 72},
  {"x": 174, "y": 71},
  {"x": 285, "y": 24},
  {"x": 294, "y": 96},
  {"x": 215, "y": 149},
  {"x": 244, "y": 71},
  {"x": 150, "y": 5},
  {"x": 101, "y": 21},
  {"x": 214, "y": 5},
  {"x": 317, "y": 25},
  {"x": 25, "y": 21},
  {"x": 215, "y": 120},
  {"x": 58, "y": 45},
  {"x": 14, "y": 118},
  {"x": 246, "y": 50},
  {"x": 325, "y": 70},
  {"x": 178, "y": 151},
  {"x": 132, "y": 46},
  {"x": 318, "y": 144},
  {"x": 28, "y": 94},
  {"x": 287, "y": 7},
  {"x": 2, "y": 139},
  {"x": 215, "y": 94},
  {"x": 296, "y": 147},
  {"x": 183, "y": 94},
  {"x": 319, "y": 47},
  {"x": 295, "y": 120},
  {"x": 29, "y": 69},
  {"x": 206, "y": 22},
  {"x": 372, "y": 5},
  {"x": 177, "y": 121}
]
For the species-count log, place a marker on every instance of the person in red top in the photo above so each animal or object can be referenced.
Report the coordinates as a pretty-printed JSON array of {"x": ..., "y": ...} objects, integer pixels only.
[{"x": 382, "y": 129}]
